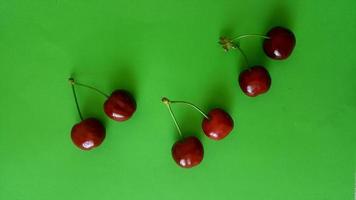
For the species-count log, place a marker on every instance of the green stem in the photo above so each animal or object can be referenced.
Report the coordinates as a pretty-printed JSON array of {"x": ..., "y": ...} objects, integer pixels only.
[
  {"x": 243, "y": 54},
  {"x": 71, "y": 81},
  {"x": 237, "y": 46},
  {"x": 249, "y": 35},
  {"x": 90, "y": 87},
  {"x": 193, "y": 106},
  {"x": 168, "y": 104}
]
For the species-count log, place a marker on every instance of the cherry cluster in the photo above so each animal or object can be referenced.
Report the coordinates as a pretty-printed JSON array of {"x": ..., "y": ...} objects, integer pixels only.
[
  {"x": 188, "y": 152},
  {"x": 278, "y": 44},
  {"x": 90, "y": 132}
]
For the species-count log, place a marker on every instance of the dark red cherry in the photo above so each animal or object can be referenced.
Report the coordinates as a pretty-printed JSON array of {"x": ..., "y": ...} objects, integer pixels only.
[
  {"x": 280, "y": 44},
  {"x": 88, "y": 134},
  {"x": 188, "y": 152},
  {"x": 120, "y": 106},
  {"x": 255, "y": 81},
  {"x": 219, "y": 124}
]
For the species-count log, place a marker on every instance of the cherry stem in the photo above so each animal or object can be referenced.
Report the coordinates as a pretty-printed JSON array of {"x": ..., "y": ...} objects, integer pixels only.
[
  {"x": 249, "y": 35},
  {"x": 193, "y": 106},
  {"x": 88, "y": 86},
  {"x": 71, "y": 81},
  {"x": 168, "y": 104},
  {"x": 243, "y": 54}
]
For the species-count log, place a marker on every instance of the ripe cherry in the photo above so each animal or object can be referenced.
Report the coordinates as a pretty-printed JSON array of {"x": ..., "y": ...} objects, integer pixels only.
[
  {"x": 88, "y": 133},
  {"x": 187, "y": 152},
  {"x": 280, "y": 43},
  {"x": 218, "y": 124},
  {"x": 255, "y": 81},
  {"x": 119, "y": 106}
]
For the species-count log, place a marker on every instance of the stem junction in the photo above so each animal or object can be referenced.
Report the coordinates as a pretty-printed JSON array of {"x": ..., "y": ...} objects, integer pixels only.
[{"x": 167, "y": 102}]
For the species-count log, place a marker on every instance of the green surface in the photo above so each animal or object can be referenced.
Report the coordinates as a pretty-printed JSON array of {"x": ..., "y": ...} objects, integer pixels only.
[{"x": 295, "y": 143}]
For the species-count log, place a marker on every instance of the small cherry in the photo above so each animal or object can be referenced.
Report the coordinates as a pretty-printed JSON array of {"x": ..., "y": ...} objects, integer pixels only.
[
  {"x": 119, "y": 106},
  {"x": 88, "y": 133},
  {"x": 280, "y": 43},
  {"x": 217, "y": 124},
  {"x": 187, "y": 152},
  {"x": 255, "y": 81}
]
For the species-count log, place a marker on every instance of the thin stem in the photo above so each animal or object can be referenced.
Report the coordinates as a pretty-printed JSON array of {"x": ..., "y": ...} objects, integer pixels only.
[
  {"x": 71, "y": 81},
  {"x": 249, "y": 35},
  {"x": 168, "y": 104},
  {"x": 243, "y": 54},
  {"x": 193, "y": 106},
  {"x": 90, "y": 87}
]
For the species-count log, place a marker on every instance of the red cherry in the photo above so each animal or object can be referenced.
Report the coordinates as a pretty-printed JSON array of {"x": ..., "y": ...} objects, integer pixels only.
[
  {"x": 219, "y": 124},
  {"x": 280, "y": 44},
  {"x": 88, "y": 134},
  {"x": 188, "y": 152},
  {"x": 255, "y": 81},
  {"x": 120, "y": 106}
]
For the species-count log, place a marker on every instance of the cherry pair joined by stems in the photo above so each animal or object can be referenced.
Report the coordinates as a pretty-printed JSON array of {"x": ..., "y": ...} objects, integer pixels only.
[
  {"x": 188, "y": 151},
  {"x": 90, "y": 133},
  {"x": 278, "y": 44}
]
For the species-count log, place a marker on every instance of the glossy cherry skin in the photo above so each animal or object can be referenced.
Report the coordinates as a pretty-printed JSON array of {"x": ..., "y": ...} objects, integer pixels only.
[
  {"x": 188, "y": 152},
  {"x": 120, "y": 106},
  {"x": 255, "y": 81},
  {"x": 280, "y": 44},
  {"x": 88, "y": 134},
  {"x": 219, "y": 124}
]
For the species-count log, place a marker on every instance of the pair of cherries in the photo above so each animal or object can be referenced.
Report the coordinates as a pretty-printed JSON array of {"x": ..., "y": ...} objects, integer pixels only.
[
  {"x": 90, "y": 132},
  {"x": 188, "y": 151},
  {"x": 278, "y": 44}
]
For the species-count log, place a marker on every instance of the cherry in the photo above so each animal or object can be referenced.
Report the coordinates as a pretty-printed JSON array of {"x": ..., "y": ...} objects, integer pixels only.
[
  {"x": 255, "y": 81},
  {"x": 119, "y": 106},
  {"x": 187, "y": 152},
  {"x": 218, "y": 125},
  {"x": 88, "y": 133},
  {"x": 280, "y": 43}
]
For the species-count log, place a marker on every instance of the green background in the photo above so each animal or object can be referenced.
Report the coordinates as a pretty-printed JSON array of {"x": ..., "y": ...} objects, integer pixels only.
[{"x": 296, "y": 142}]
